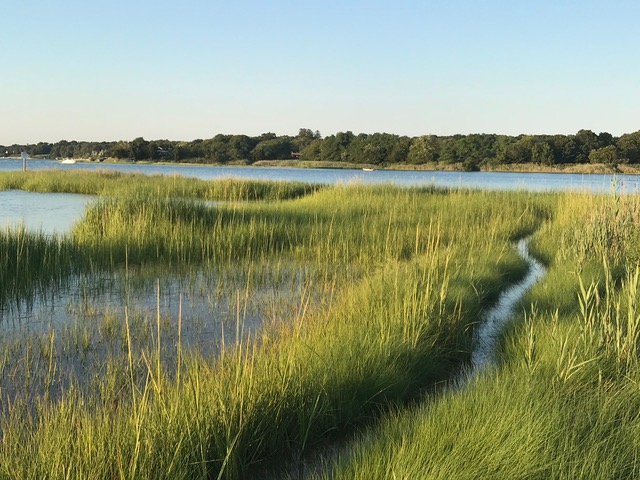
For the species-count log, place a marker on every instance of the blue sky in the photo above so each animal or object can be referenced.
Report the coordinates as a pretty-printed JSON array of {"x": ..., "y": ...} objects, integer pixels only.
[{"x": 116, "y": 70}]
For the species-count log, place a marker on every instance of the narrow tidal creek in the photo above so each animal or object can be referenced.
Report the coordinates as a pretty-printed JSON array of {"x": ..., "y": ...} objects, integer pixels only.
[
  {"x": 494, "y": 319},
  {"x": 492, "y": 323}
]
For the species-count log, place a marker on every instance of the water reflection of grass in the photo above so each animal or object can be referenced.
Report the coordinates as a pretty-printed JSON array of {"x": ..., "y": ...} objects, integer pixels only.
[{"x": 387, "y": 285}]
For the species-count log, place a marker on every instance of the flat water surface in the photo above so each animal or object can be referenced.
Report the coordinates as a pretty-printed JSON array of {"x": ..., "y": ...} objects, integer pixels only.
[
  {"x": 46, "y": 212},
  {"x": 57, "y": 212},
  {"x": 494, "y": 319},
  {"x": 597, "y": 183}
]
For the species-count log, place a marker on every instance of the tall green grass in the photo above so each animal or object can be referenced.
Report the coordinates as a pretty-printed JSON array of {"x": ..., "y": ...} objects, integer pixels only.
[
  {"x": 106, "y": 182},
  {"x": 404, "y": 272},
  {"x": 563, "y": 402},
  {"x": 34, "y": 262}
]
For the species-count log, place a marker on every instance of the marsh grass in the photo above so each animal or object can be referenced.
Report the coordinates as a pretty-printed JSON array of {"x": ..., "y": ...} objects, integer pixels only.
[
  {"x": 563, "y": 402},
  {"x": 392, "y": 284},
  {"x": 33, "y": 261},
  {"x": 105, "y": 182}
]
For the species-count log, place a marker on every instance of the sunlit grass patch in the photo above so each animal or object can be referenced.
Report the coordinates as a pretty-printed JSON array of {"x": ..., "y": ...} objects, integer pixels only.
[{"x": 563, "y": 401}]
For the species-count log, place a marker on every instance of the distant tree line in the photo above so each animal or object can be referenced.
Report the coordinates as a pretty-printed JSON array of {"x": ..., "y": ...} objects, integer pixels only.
[{"x": 471, "y": 151}]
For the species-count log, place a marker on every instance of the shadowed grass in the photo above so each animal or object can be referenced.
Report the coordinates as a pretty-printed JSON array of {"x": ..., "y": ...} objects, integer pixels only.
[
  {"x": 426, "y": 262},
  {"x": 563, "y": 403}
]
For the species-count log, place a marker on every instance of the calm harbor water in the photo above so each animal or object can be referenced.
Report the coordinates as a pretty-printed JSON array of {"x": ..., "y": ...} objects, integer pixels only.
[
  {"x": 57, "y": 212},
  {"x": 46, "y": 212},
  {"x": 600, "y": 183}
]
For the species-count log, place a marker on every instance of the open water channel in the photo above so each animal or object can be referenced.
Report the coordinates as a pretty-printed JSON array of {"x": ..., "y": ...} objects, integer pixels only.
[
  {"x": 57, "y": 212},
  {"x": 600, "y": 183}
]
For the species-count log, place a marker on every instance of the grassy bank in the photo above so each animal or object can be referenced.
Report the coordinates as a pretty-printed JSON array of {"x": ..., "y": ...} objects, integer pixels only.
[
  {"x": 563, "y": 401},
  {"x": 583, "y": 168}
]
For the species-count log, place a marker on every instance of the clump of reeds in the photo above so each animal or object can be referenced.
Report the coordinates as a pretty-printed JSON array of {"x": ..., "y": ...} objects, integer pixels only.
[
  {"x": 107, "y": 182},
  {"x": 33, "y": 262}
]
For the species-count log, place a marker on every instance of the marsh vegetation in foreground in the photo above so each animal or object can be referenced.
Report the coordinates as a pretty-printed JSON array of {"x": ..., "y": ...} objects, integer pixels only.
[
  {"x": 563, "y": 400},
  {"x": 338, "y": 309}
]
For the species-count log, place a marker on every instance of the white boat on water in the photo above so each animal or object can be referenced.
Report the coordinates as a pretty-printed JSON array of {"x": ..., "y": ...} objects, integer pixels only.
[
  {"x": 68, "y": 161},
  {"x": 368, "y": 169}
]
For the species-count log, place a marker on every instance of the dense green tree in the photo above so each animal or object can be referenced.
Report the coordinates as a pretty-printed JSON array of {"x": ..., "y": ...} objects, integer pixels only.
[
  {"x": 503, "y": 149},
  {"x": 180, "y": 151},
  {"x": 522, "y": 149},
  {"x": 629, "y": 146},
  {"x": 42, "y": 148},
  {"x": 607, "y": 155},
  {"x": 240, "y": 147},
  {"x": 400, "y": 150},
  {"x": 139, "y": 149},
  {"x": 119, "y": 150},
  {"x": 423, "y": 150},
  {"x": 450, "y": 151},
  {"x": 605, "y": 139},
  {"x": 313, "y": 151},
  {"x": 304, "y": 138},
  {"x": 335, "y": 147},
  {"x": 216, "y": 149},
  {"x": 196, "y": 148},
  {"x": 357, "y": 150},
  {"x": 377, "y": 148},
  {"x": 273, "y": 149},
  {"x": 161, "y": 150},
  {"x": 476, "y": 147},
  {"x": 542, "y": 153},
  {"x": 63, "y": 149},
  {"x": 586, "y": 141},
  {"x": 267, "y": 136},
  {"x": 564, "y": 148}
]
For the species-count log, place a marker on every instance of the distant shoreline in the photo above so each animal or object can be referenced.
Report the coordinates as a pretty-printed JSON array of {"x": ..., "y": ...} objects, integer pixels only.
[
  {"x": 587, "y": 168},
  {"x": 458, "y": 167}
]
